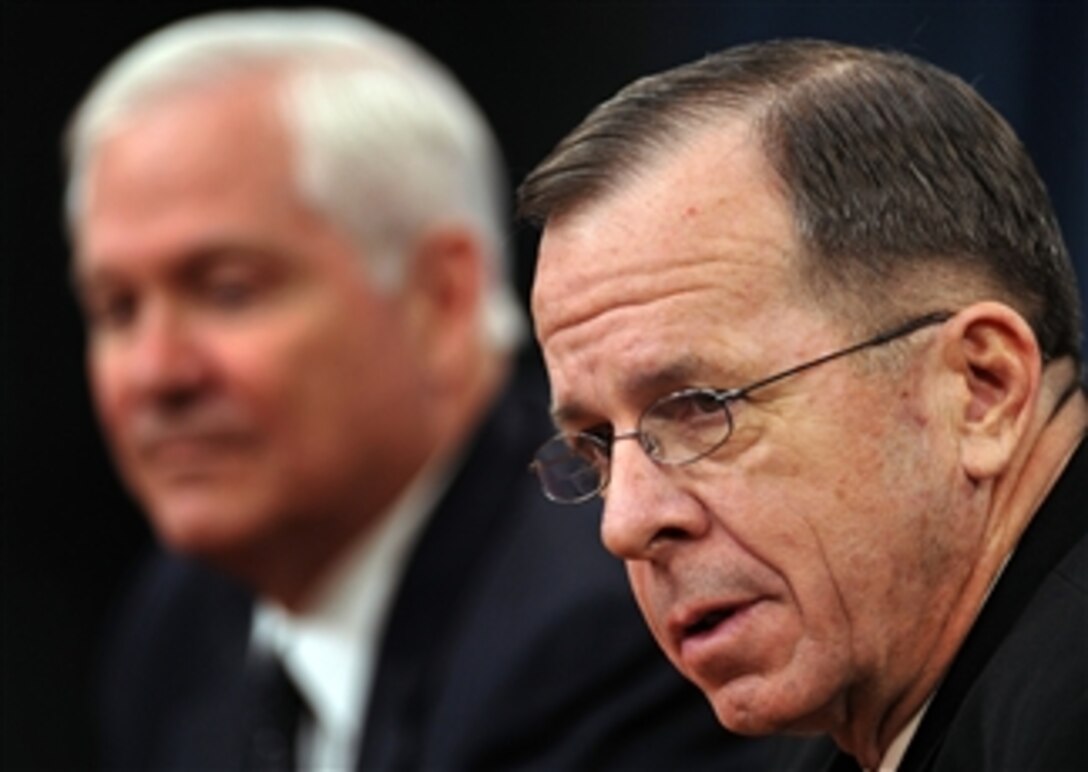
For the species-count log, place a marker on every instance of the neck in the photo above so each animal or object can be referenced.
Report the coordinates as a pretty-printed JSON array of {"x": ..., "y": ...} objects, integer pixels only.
[
  {"x": 1018, "y": 496},
  {"x": 308, "y": 554}
]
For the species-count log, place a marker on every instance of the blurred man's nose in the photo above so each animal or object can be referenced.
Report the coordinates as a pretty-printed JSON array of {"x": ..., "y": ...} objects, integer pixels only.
[{"x": 164, "y": 357}]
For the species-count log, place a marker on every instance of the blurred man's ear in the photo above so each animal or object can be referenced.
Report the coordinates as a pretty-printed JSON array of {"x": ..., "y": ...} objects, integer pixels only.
[
  {"x": 994, "y": 354},
  {"x": 444, "y": 290}
]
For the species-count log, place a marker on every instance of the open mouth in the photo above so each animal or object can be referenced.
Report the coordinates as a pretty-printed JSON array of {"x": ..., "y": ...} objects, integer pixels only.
[{"x": 708, "y": 622}]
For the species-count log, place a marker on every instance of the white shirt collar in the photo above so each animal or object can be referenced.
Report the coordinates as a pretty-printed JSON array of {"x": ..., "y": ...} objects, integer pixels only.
[
  {"x": 893, "y": 757},
  {"x": 330, "y": 650}
]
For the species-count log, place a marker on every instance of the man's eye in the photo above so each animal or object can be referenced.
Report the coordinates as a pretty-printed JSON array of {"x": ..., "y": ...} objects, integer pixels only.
[
  {"x": 704, "y": 407},
  {"x": 688, "y": 407},
  {"x": 230, "y": 293},
  {"x": 109, "y": 311}
]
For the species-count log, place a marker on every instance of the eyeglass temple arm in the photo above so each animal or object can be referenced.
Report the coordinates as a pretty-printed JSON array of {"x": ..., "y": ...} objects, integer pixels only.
[{"x": 936, "y": 317}]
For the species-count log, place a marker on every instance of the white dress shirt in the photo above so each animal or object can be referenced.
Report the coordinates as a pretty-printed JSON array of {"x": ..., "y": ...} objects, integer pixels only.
[
  {"x": 893, "y": 757},
  {"x": 331, "y": 649}
]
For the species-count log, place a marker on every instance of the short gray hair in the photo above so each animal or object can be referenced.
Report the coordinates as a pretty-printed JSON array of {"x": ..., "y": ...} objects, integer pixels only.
[
  {"x": 388, "y": 141},
  {"x": 902, "y": 180}
]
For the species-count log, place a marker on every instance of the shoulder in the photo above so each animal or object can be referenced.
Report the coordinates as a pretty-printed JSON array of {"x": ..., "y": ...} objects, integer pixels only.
[
  {"x": 178, "y": 626},
  {"x": 169, "y": 595}
]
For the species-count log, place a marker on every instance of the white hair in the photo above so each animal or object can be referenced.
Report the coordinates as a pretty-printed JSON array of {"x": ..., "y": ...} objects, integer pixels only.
[{"x": 387, "y": 141}]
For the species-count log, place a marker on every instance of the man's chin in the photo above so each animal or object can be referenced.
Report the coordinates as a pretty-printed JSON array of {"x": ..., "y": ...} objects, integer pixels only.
[
  {"x": 201, "y": 527},
  {"x": 753, "y": 710}
]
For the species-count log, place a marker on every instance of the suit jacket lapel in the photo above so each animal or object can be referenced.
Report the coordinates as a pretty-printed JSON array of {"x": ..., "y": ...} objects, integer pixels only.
[{"x": 461, "y": 532}]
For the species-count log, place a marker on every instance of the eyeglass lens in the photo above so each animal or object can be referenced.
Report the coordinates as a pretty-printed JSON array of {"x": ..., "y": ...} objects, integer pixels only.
[{"x": 677, "y": 429}]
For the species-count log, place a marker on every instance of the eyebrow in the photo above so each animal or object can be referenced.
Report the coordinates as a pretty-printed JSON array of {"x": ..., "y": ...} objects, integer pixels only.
[
  {"x": 193, "y": 261},
  {"x": 643, "y": 385},
  {"x": 203, "y": 260}
]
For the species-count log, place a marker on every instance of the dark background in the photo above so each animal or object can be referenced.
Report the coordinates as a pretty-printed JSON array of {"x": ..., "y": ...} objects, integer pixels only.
[{"x": 69, "y": 532}]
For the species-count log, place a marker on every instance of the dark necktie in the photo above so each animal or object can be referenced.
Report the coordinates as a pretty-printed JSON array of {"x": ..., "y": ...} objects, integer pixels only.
[{"x": 275, "y": 710}]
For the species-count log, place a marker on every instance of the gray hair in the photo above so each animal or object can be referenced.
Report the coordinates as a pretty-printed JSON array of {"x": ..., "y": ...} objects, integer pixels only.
[
  {"x": 906, "y": 187},
  {"x": 388, "y": 142}
]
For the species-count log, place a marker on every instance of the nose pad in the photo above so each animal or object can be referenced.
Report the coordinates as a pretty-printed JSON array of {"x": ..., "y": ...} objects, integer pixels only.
[{"x": 644, "y": 507}]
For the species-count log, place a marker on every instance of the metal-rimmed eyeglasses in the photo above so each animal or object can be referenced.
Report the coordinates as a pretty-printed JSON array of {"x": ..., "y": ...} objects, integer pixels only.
[{"x": 679, "y": 428}]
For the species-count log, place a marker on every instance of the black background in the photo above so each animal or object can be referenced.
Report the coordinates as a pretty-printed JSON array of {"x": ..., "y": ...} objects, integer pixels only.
[{"x": 70, "y": 534}]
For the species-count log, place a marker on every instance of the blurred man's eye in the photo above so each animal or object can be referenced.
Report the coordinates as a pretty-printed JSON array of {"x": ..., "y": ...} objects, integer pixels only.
[
  {"x": 231, "y": 292},
  {"x": 106, "y": 311},
  {"x": 232, "y": 286}
]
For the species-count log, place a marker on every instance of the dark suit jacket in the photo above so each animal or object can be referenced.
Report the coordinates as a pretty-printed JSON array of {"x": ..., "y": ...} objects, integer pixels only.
[
  {"x": 1016, "y": 696},
  {"x": 513, "y": 642}
]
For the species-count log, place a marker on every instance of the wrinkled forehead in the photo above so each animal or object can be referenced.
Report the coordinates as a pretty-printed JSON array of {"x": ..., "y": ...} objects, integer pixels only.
[
  {"x": 708, "y": 213},
  {"x": 695, "y": 253}
]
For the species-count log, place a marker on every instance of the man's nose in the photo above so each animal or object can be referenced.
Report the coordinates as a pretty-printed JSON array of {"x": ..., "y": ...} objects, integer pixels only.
[
  {"x": 164, "y": 356},
  {"x": 645, "y": 510}
]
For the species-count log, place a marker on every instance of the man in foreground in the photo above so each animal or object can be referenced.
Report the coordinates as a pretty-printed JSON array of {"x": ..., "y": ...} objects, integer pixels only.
[
  {"x": 289, "y": 234},
  {"x": 812, "y": 333}
]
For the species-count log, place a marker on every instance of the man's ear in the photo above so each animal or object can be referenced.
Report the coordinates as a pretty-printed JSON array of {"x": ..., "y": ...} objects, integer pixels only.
[
  {"x": 444, "y": 290},
  {"x": 994, "y": 354}
]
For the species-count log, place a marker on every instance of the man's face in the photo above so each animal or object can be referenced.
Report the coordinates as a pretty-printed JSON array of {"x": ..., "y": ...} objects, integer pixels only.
[
  {"x": 254, "y": 388},
  {"x": 792, "y": 573}
]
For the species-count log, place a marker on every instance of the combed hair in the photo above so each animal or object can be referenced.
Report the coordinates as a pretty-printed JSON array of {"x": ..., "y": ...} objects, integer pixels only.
[
  {"x": 894, "y": 170},
  {"x": 387, "y": 141}
]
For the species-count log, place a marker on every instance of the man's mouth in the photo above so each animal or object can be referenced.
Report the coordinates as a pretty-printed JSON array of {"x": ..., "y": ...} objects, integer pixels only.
[
  {"x": 184, "y": 452},
  {"x": 708, "y": 621},
  {"x": 716, "y": 639}
]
